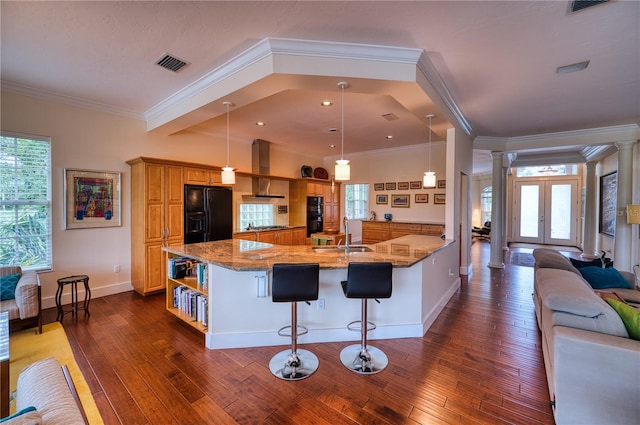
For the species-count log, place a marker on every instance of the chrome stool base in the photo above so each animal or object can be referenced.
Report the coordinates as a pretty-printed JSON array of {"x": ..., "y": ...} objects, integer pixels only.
[
  {"x": 366, "y": 362},
  {"x": 292, "y": 366}
]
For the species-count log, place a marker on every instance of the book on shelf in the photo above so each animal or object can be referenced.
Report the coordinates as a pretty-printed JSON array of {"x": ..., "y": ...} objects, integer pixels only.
[
  {"x": 188, "y": 268},
  {"x": 192, "y": 303}
]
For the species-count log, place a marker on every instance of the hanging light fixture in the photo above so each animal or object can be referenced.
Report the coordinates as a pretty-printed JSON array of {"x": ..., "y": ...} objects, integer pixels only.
[
  {"x": 342, "y": 169},
  {"x": 429, "y": 179},
  {"x": 228, "y": 175}
]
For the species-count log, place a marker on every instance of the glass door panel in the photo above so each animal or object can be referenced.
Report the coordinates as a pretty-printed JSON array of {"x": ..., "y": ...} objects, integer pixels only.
[{"x": 529, "y": 211}]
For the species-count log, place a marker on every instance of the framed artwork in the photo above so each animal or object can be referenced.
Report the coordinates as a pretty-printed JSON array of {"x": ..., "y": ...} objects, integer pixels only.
[
  {"x": 439, "y": 198},
  {"x": 422, "y": 198},
  {"x": 442, "y": 184},
  {"x": 403, "y": 185},
  {"x": 92, "y": 199},
  {"x": 401, "y": 201},
  {"x": 382, "y": 199},
  {"x": 390, "y": 186},
  {"x": 415, "y": 184},
  {"x": 608, "y": 190},
  {"x": 378, "y": 186}
]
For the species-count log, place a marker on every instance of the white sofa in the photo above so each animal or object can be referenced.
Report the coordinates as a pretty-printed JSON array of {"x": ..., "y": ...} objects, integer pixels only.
[
  {"x": 592, "y": 366},
  {"x": 26, "y": 308}
]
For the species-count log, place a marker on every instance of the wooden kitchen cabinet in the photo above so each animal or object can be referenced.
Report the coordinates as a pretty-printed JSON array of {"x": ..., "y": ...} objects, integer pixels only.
[
  {"x": 202, "y": 176},
  {"x": 157, "y": 202},
  {"x": 299, "y": 236},
  {"x": 247, "y": 236},
  {"x": 277, "y": 237},
  {"x": 298, "y": 192},
  {"x": 380, "y": 231}
]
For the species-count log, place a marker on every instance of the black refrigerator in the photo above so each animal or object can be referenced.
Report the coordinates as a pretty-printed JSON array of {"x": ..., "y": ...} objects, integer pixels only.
[{"x": 208, "y": 213}]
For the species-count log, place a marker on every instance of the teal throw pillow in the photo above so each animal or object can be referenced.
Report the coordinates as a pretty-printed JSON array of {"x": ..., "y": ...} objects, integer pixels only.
[
  {"x": 600, "y": 278},
  {"x": 629, "y": 315},
  {"x": 8, "y": 285}
]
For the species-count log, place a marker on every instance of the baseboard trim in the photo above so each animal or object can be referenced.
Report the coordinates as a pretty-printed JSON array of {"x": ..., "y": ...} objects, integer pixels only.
[{"x": 101, "y": 291}]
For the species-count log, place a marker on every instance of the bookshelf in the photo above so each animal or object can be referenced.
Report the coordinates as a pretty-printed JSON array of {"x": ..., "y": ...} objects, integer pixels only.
[{"x": 187, "y": 292}]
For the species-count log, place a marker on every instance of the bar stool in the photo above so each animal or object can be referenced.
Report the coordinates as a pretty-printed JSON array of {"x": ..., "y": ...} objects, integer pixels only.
[
  {"x": 364, "y": 281},
  {"x": 293, "y": 283},
  {"x": 73, "y": 281}
]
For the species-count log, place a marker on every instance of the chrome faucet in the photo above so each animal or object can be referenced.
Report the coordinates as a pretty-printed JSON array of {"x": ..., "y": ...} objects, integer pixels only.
[{"x": 345, "y": 221}]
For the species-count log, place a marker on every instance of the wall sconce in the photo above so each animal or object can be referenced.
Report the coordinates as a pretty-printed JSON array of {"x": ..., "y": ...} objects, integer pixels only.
[{"x": 633, "y": 214}]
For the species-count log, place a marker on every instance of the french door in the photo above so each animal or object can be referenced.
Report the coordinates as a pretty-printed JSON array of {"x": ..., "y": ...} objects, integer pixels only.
[{"x": 546, "y": 212}]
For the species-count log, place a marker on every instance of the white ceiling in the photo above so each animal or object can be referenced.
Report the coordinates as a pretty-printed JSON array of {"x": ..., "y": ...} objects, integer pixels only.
[{"x": 497, "y": 59}]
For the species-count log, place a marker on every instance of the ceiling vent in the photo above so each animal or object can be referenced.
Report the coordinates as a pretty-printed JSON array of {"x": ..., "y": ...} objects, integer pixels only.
[
  {"x": 390, "y": 117},
  {"x": 171, "y": 62},
  {"x": 577, "y": 5}
]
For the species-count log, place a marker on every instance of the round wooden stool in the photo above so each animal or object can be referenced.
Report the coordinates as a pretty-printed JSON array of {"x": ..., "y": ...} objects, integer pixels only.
[{"x": 73, "y": 281}]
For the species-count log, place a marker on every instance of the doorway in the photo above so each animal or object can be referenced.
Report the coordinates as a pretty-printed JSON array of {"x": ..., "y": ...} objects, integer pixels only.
[{"x": 546, "y": 211}]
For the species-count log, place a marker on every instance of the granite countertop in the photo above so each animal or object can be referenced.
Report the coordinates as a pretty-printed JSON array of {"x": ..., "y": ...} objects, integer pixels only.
[
  {"x": 241, "y": 255},
  {"x": 405, "y": 222}
]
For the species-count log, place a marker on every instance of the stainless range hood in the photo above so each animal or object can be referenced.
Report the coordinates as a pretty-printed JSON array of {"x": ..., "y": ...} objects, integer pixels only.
[{"x": 261, "y": 164}]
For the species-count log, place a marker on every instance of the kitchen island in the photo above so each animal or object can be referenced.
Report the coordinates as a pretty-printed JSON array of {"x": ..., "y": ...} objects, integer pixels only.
[{"x": 241, "y": 313}]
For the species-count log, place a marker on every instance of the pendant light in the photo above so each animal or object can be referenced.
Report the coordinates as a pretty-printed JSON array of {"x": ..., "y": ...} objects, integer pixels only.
[
  {"x": 342, "y": 169},
  {"x": 429, "y": 179},
  {"x": 228, "y": 175}
]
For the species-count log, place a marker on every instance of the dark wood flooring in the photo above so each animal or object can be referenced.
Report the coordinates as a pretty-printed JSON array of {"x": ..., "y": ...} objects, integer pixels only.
[{"x": 480, "y": 363}]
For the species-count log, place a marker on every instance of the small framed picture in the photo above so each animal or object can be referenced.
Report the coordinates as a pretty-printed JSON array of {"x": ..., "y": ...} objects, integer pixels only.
[
  {"x": 403, "y": 185},
  {"x": 422, "y": 198},
  {"x": 390, "y": 186},
  {"x": 400, "y": 201},
  {"x": 382, "y": 199},
  {"x": 378, "y": 186},
  {"x": 442, "y": 184},
  {"x": 439, "y": 198},
  {"x": 415, "y": 184}
]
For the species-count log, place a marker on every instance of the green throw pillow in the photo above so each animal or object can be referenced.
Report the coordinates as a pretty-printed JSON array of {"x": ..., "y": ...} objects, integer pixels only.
[
  {"x": 629, "y": 315},
  {"x": 8, "y": 286}
]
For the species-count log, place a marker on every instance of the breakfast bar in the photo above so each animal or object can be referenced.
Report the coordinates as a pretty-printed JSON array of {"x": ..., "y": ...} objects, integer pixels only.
[{"x": 241, "y": 313}]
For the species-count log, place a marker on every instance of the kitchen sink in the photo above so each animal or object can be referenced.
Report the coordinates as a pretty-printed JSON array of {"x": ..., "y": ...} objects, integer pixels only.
[{"x": 341, "y": 249}]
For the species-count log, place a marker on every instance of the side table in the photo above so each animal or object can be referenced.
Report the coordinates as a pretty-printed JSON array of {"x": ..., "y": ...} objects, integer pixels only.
[{"x": 73, "y": 281}]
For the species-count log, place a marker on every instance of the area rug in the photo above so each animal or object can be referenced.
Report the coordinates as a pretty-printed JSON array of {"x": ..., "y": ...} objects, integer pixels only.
[{"x": 26, "y": 347}]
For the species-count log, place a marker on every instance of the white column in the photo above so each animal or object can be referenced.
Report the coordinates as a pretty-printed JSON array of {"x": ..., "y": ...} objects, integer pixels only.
[
  {"x": 505, "y": 240},
  {"x": 497, "y": 208},
  {"x": 622, "y": 244},
  {"x": 589, "y": 237}
]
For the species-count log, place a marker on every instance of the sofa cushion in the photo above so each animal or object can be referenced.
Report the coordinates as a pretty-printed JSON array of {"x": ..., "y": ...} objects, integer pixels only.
[
  {"x": 550, "y": 259},
  {"x": 572, "y": 297},
  {"x": 8, "y": 285},
  {"x": 27, "y": 416},
  {"x": 629, "y": 315},
  {"x": 600, "y": 278}
]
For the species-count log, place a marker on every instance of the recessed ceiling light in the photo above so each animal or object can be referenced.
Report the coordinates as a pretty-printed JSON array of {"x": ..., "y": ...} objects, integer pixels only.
[
  {"x": 572, "y": 68},
  {"x": 332, "y": 146},
  {"x": 389, "y": 137},
  {"x": 333, "y": 130},
  {"x": 261, "y": 124},
  {"x": 326, "y": 103}
]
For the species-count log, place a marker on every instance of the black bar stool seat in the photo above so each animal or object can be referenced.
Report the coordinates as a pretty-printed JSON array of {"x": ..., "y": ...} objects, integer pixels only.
[
  {"x": 365, "y": 281},
  {"x": 293, "y": 283}
]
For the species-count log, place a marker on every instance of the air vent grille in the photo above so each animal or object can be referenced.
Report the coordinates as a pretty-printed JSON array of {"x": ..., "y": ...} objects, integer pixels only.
[
  {"x": 577, "y": 5},
  {"x": 390, "y": 117},
  {"x": 171, "y": 62}
]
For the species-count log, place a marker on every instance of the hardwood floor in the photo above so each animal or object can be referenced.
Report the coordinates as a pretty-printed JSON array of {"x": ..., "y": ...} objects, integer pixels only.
[{"x": 479, "y": 363}]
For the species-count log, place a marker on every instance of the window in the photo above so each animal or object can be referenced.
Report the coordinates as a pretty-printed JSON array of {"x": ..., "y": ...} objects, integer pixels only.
[
  {"x": 25, "y": 201},
  {"x": 485, "y": 203},
  {"x": 256, "y": 215},
  {"x": 546, "y": 171},
  {"x": 356, "y": 205}
]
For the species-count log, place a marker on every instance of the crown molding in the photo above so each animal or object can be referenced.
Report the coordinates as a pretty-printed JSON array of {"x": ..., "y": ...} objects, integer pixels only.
[
  {"x": 23, "y": 90},
  {"x": 270, "y": 46}
]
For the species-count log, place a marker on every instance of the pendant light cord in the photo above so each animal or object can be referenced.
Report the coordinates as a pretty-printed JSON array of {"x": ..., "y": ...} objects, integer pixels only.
[
  {"x": 342, "y": 85},
  {"x": 228, "y": 104},
  {"x": 429, "y": 143}
]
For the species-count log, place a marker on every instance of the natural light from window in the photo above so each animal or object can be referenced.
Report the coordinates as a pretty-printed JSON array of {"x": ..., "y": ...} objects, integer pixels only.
[{"x": 356, "y": 205}]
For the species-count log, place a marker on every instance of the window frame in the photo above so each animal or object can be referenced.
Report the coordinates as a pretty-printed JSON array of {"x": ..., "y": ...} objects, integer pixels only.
[
  {"x": 14, "y": 201},
  {"x": 364, "y": 192}
]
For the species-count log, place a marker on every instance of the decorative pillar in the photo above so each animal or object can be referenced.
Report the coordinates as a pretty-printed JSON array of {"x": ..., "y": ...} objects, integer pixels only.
[
  {"x": 497, "y": 208},
  {"x": 622, "y": 244},
  {"x": 505, "y": 221},
  {"x": 590, "y": 233}
]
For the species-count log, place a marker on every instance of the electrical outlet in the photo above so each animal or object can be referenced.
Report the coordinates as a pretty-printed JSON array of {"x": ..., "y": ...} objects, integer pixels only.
[
  {"x": 116, "y": 268},
  {"x": 320, "y": 303}
]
